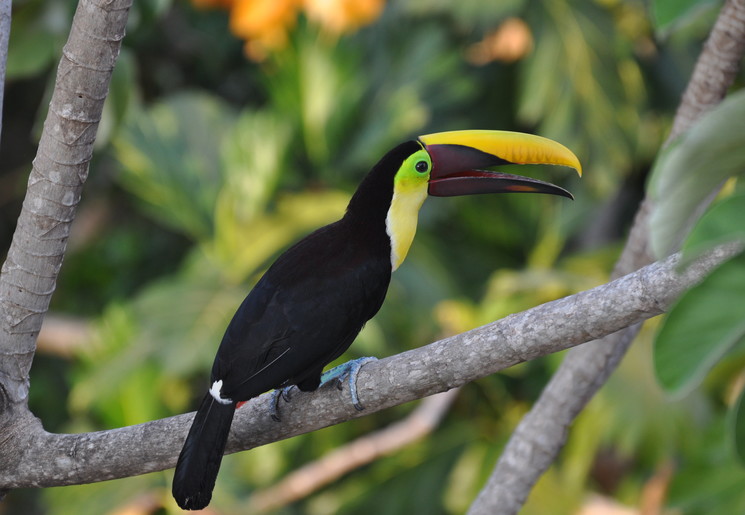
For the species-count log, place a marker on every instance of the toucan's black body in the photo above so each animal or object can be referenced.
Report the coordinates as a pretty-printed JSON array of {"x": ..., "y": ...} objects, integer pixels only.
[
  {"x": 301, "y": 315},
  {"x": 314, "y": 300}
]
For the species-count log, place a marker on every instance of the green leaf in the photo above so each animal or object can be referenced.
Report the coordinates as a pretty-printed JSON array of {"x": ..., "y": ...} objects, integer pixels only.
[
  {"x": 30, "y": 51},
  {"x": 737, "y": 427},
  {"x": 709, "y": 480},
  {"x": 705, "y": 323},
  {"x": 667, "y": 13},
  {"x": 270, "y": 232},
  {"x": 690, "y": 170},
  {"x": 721, "y": 224},
  {"x": 171, "y": 329},
  {"x": 254, "y": 155},
  {"x": 171, "y": 159}
]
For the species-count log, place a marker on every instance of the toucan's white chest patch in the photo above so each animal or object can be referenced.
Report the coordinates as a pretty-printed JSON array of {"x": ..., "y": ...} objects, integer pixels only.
[{"x": 400, "y": 223}]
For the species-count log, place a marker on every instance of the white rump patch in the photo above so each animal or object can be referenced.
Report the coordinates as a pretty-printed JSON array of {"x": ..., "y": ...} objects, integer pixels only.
[{"x": 215, "y": 392}]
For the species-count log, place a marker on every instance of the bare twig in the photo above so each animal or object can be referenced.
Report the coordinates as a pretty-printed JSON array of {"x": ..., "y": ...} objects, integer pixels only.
[
  {"x": 655, "y": 490},
  {"x": 31, "y": 457},
  {"x": 313, "y": 476},
  {"x": 542, "y": 433},
  {"x": 61, "y": 335}
]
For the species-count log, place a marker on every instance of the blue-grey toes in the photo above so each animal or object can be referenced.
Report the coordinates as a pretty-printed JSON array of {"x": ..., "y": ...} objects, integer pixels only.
[{"x": 348, "y": 370}]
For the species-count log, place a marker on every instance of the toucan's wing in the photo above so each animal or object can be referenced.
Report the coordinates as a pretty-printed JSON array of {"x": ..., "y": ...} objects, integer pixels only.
[{"x": 304, "y": 312}]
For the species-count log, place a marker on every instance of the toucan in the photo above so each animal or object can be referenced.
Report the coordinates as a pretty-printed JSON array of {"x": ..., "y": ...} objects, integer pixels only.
[{"x": 315, "y": 298}]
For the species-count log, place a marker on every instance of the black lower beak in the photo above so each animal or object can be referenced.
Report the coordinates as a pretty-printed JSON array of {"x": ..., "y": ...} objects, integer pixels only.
[{"x": 474, "y": 182}]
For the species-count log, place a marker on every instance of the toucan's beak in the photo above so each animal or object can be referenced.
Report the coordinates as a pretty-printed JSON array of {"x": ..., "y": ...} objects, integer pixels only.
[{"x": 459, "y": 159}]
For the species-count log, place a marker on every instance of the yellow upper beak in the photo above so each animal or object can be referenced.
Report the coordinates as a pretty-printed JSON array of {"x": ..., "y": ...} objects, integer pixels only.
[{"x": 512, "y": 147}]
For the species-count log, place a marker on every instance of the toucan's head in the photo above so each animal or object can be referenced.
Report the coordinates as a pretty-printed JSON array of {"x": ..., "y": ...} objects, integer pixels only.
[{"x": 447, "y": 164}]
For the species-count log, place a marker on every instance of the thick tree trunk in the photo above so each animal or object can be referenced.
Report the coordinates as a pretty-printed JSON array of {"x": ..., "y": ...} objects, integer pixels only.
[
  {"x": 29, "y": 274},
  {"x": 30, "y": 271}
]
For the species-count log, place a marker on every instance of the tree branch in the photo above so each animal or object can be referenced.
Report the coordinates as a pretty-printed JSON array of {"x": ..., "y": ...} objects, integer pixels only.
[
  {"x": 31, "y": 457},
  {"x": 29, "y": 274},
  {"x": 540, "y": 436}
]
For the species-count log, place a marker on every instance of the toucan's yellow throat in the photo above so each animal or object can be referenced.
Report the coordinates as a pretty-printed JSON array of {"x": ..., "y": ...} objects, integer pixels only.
[
  {"x": 409, "y": 192},
  {"x": 452, "y": 163}
]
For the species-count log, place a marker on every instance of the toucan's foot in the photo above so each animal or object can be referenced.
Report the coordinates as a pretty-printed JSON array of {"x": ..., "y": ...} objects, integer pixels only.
[
  {"x": 280, "y": 393},
  {"x": 348, "y": 370}
]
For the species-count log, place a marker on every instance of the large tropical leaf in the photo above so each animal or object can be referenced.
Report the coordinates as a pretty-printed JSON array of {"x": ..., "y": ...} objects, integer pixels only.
[
  {"x": 702, "y": 326},
  {"x": 171, "y": 159},
  {"x": 691, "y": 170}
]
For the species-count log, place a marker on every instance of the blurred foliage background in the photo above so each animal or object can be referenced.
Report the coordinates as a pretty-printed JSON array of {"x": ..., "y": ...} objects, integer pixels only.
[{"x": 234, "y": 127}]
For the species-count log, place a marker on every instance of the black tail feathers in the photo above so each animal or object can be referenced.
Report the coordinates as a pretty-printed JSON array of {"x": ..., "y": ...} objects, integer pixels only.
[{"x": 199, "y": 461}]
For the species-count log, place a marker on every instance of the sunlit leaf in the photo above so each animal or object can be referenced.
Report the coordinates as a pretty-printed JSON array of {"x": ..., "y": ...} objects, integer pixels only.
[
  {"x": 254, "y": 157},
  {"x": 171, "y": 159},
  {"x": 242, "y": 247},
  {"x": 170, "y": 330},
  {"x": 689, "y": 171},
  {"x": 317, "y": 91},
  {"x": 704, "y": 324}
]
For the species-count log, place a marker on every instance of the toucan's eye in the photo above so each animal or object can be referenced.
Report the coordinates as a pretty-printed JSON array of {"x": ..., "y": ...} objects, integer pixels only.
[{"x": 421, "y": 166}]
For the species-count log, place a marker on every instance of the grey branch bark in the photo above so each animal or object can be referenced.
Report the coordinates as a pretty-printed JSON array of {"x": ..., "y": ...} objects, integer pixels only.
[
  {"x": 5, "y": 15},
  {"x": 29, "y": 273},
  {"x": 539, "y": 437},
  {"x": 31, "y": 457}
]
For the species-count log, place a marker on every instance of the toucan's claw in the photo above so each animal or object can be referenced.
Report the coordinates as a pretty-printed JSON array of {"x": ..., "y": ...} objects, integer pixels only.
[
  {"x": 280, "y": 393},
  {"x": 348, "y": 370},
  {"x": 285, "y": 392}
]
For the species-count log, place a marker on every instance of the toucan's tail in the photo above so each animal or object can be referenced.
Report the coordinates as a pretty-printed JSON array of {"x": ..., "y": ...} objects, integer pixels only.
[{"x": 199, "y": 461}]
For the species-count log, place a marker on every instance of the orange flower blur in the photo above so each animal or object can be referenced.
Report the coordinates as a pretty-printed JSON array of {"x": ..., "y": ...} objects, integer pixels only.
[
  {"x": 511, "y": 41},
  {"x": 265, "y": 24},
  {"x": 338, "y": 16}
]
